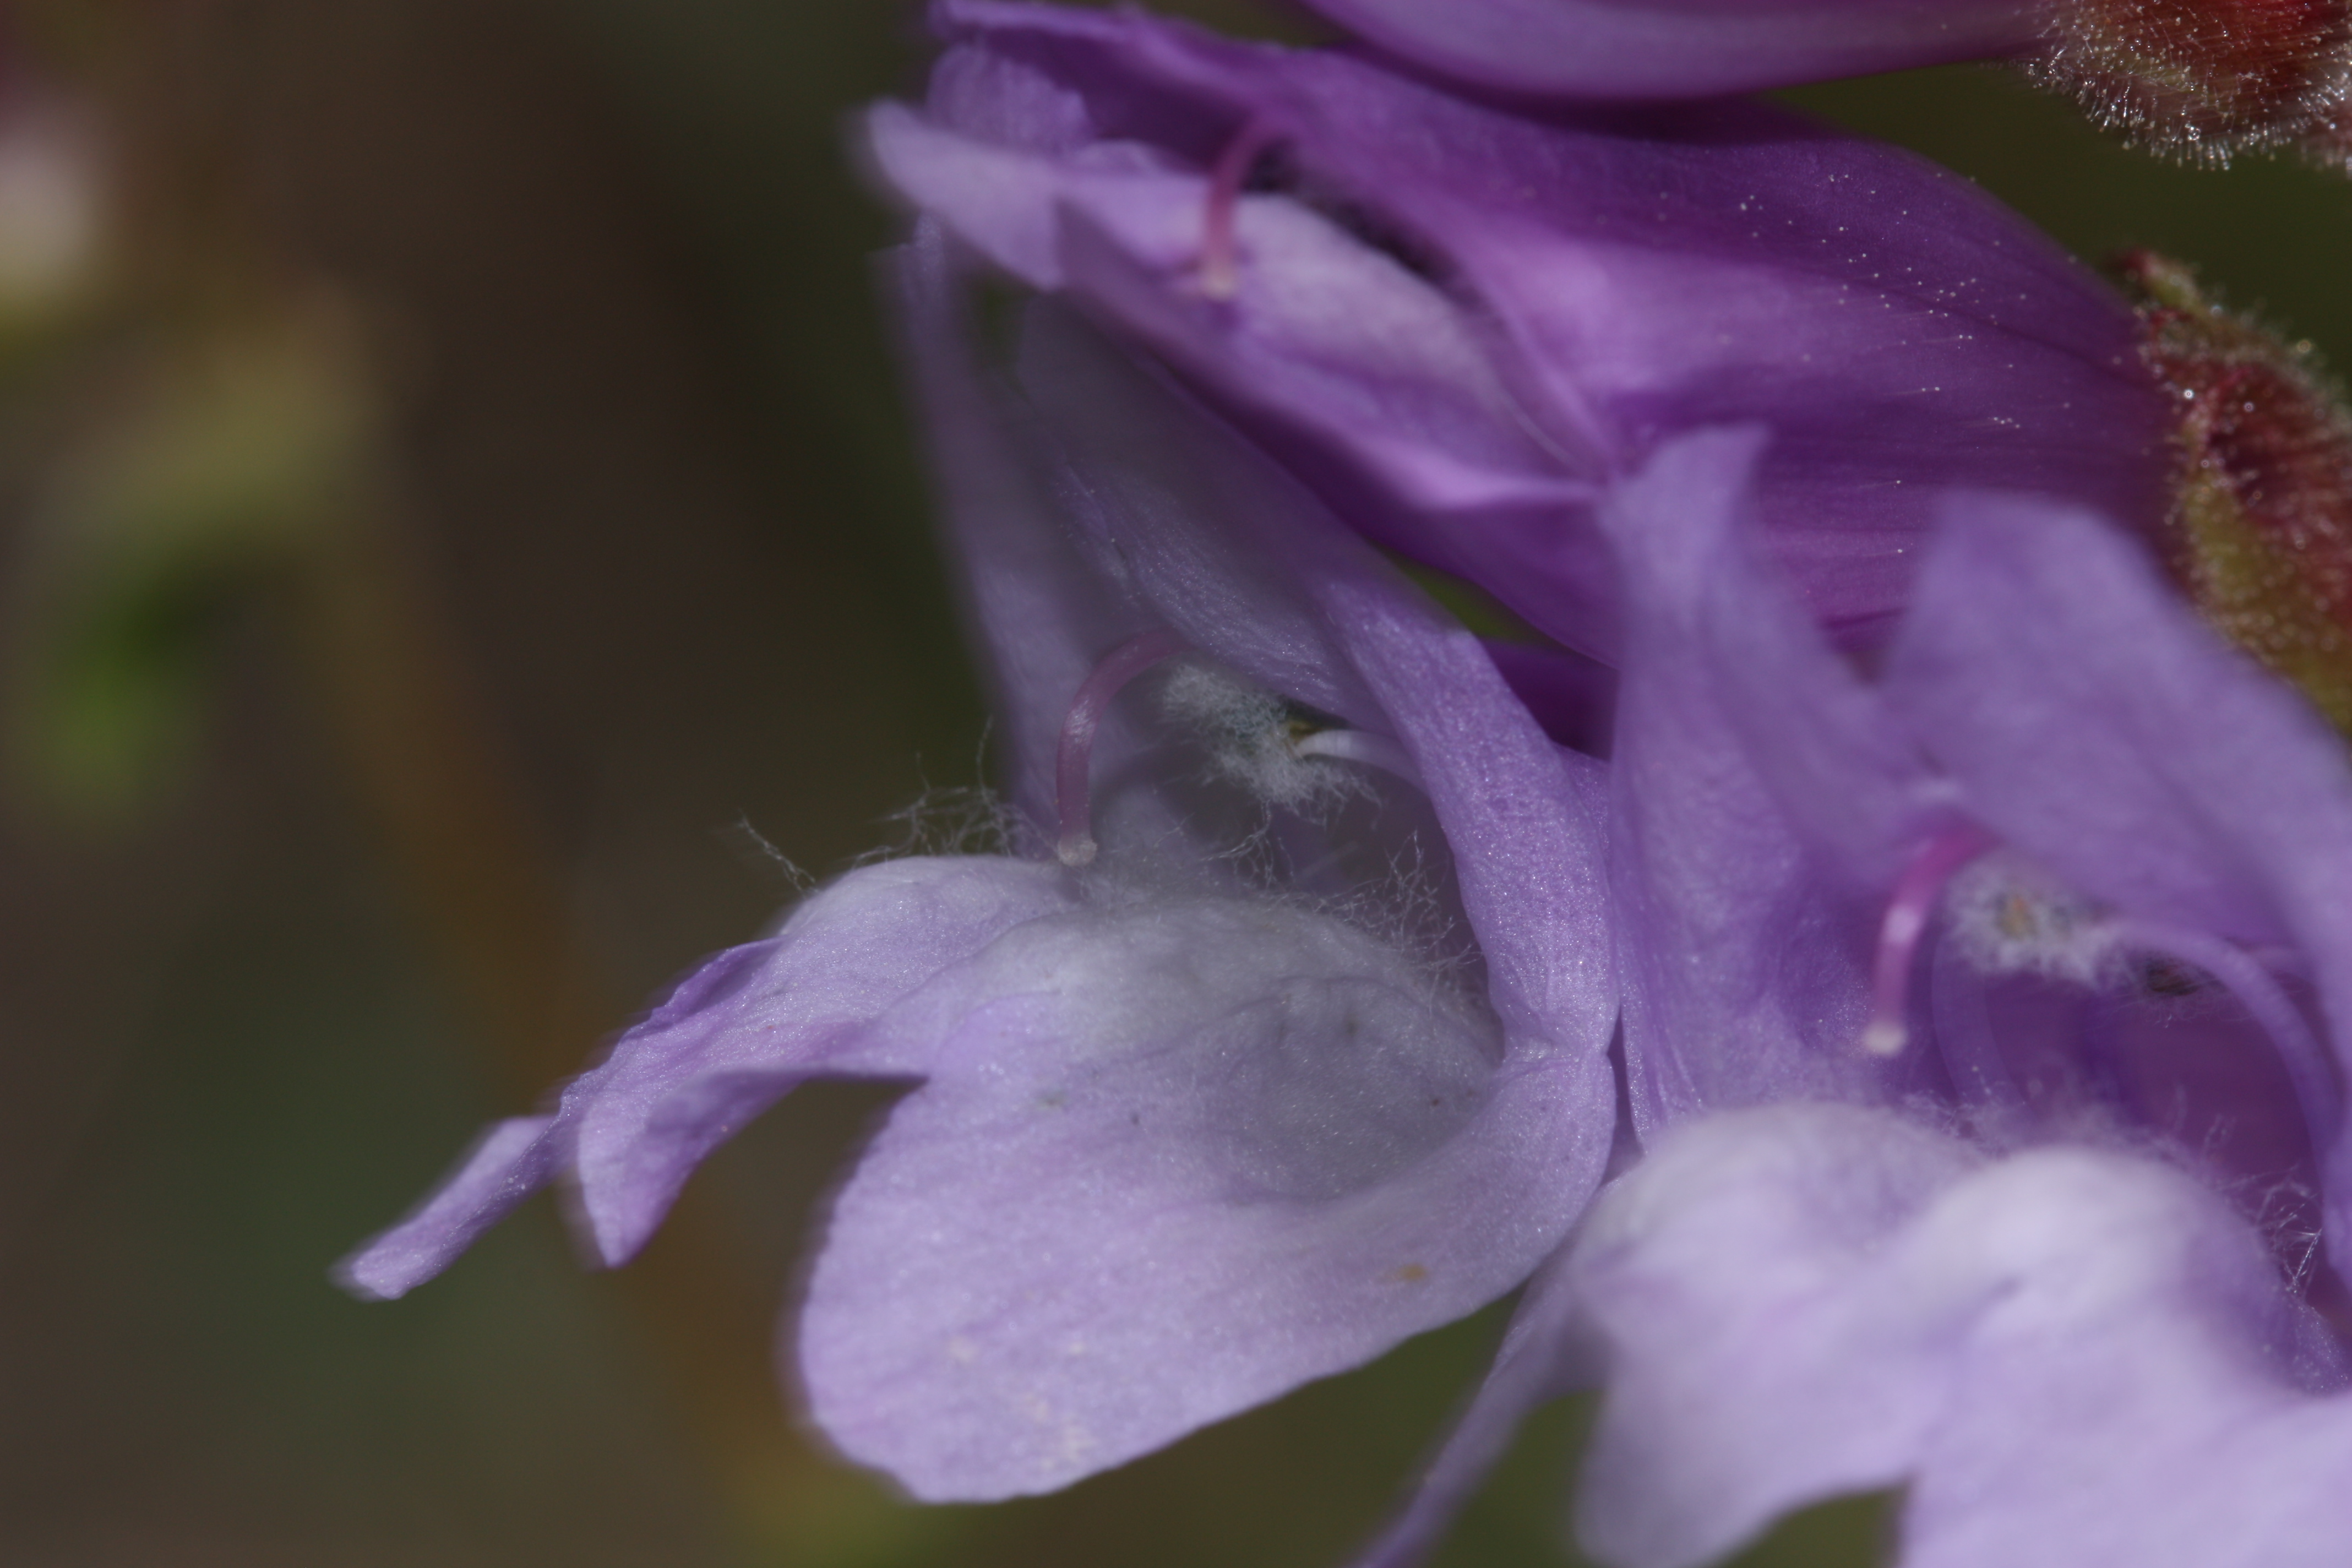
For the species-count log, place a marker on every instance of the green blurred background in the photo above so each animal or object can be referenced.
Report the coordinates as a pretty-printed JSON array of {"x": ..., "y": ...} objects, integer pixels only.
[{"x": 462, "y": 552}]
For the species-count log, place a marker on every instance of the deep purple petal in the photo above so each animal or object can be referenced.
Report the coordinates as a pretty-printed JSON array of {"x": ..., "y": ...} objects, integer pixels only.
[
  {"x": 1573, "y": 697},
  {"x": 1626, "y": 49},
  {"x": 1452, "y": 318},
  {"x": 1338, "y": 339}
]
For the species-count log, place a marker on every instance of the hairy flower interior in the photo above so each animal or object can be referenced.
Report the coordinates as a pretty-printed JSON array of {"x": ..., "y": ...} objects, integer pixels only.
[
  {"x": 1241, "y": 791},
  {"x": 2054, "y": 1013}
]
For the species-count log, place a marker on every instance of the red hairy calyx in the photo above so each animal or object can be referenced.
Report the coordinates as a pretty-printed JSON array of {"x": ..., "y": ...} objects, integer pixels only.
[
  {"x": 2204, "y": 80},
  {"x": 2260, "y": 533}
]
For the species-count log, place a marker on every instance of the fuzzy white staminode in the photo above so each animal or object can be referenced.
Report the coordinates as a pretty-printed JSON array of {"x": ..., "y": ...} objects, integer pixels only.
[
  {"x": 2012, "y": 918},
  {"x": 1257, "y": 740}
]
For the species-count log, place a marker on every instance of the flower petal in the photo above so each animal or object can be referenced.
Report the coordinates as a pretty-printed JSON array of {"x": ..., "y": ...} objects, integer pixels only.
[
  {"x": 1245, "y": 562},
  {"x": 512, "y": 1160},
  {"x": 1756, "y": 788},
  {"x": 1037, "y": 605},
  {"x": 1747, "y": 1376},
  {"x": 2098, "y": 726},
  {"x": 1629, "y": 49},
  {"x": 1541, "y": 1357},
  {"x": 1456, "y": 321},
  {"x": 1171, "y": 1164},
  {"x": 2070, "y": 1356},
  {"x": 1182, "y": 1155},
  {"x": 759, "y": 1020},
  {"x": 732, "y": 1038}
]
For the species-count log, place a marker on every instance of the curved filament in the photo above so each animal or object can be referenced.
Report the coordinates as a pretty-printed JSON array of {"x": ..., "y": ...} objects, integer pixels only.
[
  {"x": 1074, "y": 757},
  {"x": 1906, "y": 920},
  {"x": 1219, "y": 258}
]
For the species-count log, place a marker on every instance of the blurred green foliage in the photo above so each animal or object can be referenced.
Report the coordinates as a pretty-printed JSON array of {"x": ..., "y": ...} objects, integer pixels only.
[{"x": 152, "y": 538}]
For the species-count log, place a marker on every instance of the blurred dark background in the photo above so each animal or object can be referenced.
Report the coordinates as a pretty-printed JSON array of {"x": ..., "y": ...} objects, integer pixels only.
[{"x": 462, "y": 559}]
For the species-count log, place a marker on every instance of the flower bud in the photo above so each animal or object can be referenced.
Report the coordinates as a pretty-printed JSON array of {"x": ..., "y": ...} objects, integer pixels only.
[{"x": 2259, "y": 532}]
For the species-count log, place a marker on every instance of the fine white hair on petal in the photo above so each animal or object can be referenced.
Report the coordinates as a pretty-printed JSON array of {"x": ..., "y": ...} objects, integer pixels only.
[{"x": 1253, "y": 736}]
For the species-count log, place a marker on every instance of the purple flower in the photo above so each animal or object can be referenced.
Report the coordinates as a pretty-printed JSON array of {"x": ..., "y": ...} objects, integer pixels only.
[
  {"x": 1462, "y": 325},
  {"x": 1291, "y": 1045},
  {"x": 2201, "y": 79},
  {"x": 1966, "y": 920},
  {"x": 1984, "y": 1024}
]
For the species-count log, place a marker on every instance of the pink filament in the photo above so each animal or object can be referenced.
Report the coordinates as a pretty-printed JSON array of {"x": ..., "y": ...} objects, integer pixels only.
[
  {"x": 1906, "y": 920},
  {"x": 1219, "y": 261},
  {"x": 1074, "y": 757}
]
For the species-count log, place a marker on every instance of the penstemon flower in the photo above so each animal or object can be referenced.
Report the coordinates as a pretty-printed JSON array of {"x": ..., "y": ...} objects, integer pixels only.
[
  {"x": 1958, "y": 918},
  {"x": 1282, "y": 1038},
  {"x": 1463, "y": 325}
]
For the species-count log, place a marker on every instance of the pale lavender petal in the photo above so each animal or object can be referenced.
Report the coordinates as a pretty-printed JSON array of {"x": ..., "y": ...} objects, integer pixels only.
[
  {"x": 1633, "y": 50},
  {"x": 1229, "y": 1148},
  {"x": 1746, "y": 1374},
  {"x": 759, "y": 1020},
  {"x": 2067, "y": 1356},
  {"x": 1036, "y": 606},
  {"x": 731, "y": 1038},
  {"x": 1757, "y": 789},
  {"x": 1228, "y": 1145},
  {"x": 513, "y": 1160},
  {"x": 1182, "y": 520},
  {"x": 1523, "y": 821},
  {"x": 2098, "y": 726}
]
